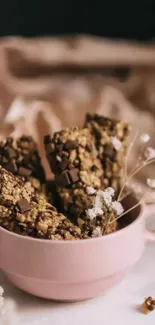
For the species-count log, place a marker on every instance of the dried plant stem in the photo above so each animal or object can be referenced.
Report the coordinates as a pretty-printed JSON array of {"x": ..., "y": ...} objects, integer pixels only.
[
  {"x": 128, "y": 153},
  {"x": 108, "y": 223},
  {"x": 147, "y": 162},
  {"x": 133, "y": 207},
  {"x": 126, "y": 163},
  {"x": 134, "y": 172},
  {"x": 125, "y": 195}
]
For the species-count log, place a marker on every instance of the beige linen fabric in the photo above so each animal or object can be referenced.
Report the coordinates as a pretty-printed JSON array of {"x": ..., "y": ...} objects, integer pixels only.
[{"x": 50, "y": 83}]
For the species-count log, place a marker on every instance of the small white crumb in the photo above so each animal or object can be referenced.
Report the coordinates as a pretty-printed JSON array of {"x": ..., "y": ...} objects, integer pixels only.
[
  {"x": 151, "y": 182},
  {"x": 90, "y": 190},
  {"x": 97, "y": 232},
  {"x": 91, "y": 214},
  {"x": 117, "y": 206},
  {"x": 116, "y": 143},
  {"x": 110, "y": 190},
  {"x": 149, "y": 153},
  {"x": 58, "y": 158},
  {"x": 144, "y": 137}
]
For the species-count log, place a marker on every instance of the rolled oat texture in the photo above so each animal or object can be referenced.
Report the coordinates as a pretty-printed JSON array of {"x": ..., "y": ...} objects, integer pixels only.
[
  {"x": 24, "y": 212},
  {"x": 111, "y": 139},
  {"x": 21, "y": 158},
  {"x": 73, "y": 159}
]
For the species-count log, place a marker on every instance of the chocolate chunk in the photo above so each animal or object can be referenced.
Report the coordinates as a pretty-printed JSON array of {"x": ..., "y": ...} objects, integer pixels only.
[
  {"x": 76, "y": 211},
  {"x": 63, "y": 164},
  {"x": 25, "y": 160},
  {"x": 49, "y": 148},
  {"x": 64, "y": 179},
  {"x": 109, "y": 150},
  {"x": 47, "y": 139},
  {"x": 6, "y": 203},
  {"x": 30, "y": 166},
  {"x": 11, "y": 167},
  {"x": 11, "y": 153},
  {"x": 59, "y": 147},
  {"x": 71, "y": 144},
  {"x": 25, "y": 172},
  {"x": 74, "y": 175},
  {"x": 94, "y": 168},
  {"x": 23, "y": 205}
]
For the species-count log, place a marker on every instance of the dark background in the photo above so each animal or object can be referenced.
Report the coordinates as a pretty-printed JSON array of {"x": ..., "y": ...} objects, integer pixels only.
[{"x": 114, "y": 19}]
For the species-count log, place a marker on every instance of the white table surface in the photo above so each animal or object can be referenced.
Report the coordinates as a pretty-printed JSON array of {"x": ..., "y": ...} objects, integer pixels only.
[{"x": 118, "y": 306}]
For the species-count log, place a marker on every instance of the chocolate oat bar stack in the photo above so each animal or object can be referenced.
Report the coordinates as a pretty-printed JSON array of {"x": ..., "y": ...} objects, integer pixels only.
[
  {"x": 87, "y": 164},
  {"x": 21, "y": 158},
  {"x": 73, "y": 159},
  {"x": 111, "y": 137},
  {"x": 30, "y": 214}
]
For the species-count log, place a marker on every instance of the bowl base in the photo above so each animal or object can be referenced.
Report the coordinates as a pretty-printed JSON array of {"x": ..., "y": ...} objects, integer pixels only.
[{"x": 64, "y": 292}]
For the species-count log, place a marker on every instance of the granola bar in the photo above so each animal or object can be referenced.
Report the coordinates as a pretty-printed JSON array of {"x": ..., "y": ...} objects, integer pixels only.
[
  {"x": 21, "y": 158},
  {"x": 73, "y": 159},
  {"x": 91, "y": 213},
  {"x": 27, "y": 213},
  {"x": 111, "y": 141}
]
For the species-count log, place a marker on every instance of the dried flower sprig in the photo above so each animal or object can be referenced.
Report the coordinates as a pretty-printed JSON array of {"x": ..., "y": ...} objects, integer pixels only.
[
  {"x": 104, "y": 206},
  {"x": 146, "y": 157},
  {"x": 132, "y": 208},
  {"x": 105, "y": 199}
]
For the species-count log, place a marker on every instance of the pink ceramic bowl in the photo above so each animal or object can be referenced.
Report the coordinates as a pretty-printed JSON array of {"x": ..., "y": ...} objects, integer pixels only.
[{"x": 73, "y": 270}]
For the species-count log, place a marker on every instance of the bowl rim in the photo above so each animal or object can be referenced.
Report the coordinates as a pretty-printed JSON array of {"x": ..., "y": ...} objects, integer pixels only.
[{"x": 79, "y": 241}]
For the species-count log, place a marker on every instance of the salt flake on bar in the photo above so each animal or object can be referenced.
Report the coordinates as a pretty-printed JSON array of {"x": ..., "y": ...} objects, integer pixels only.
[
  {"x": 117, "y": 206},
  {"x": 116, "y": 143},
  {"x": 149, "y": 153},
  {"x": 151, "y": 182},
  {"x": 90, "y": 190},
  {"x": 144, "y": 137},
  {"x": 97, "y": 232}
]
